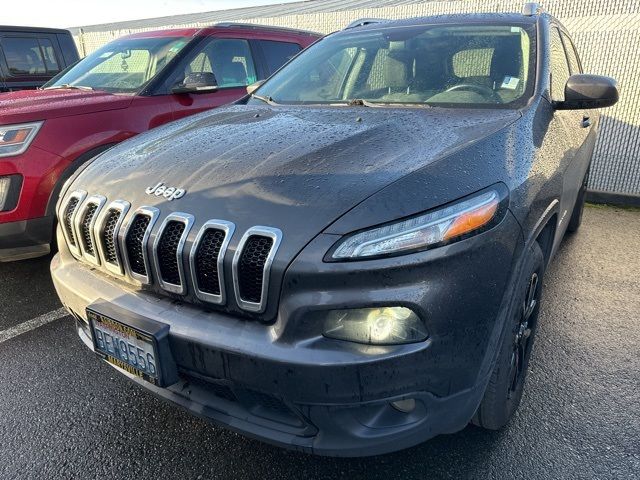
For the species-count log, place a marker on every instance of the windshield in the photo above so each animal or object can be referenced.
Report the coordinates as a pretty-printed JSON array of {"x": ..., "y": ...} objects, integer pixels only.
[
  {"x": 122, "y": 66},
  {"x": 490, "y": 66}
]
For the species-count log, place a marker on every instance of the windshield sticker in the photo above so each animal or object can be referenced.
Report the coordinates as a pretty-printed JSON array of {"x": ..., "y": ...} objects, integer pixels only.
[
  {"x": 177, "y": 47},
  {"x": 510, "y": 83}
]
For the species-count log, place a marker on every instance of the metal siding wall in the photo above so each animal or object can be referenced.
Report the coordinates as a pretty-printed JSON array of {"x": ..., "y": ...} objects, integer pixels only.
[{"x": 606, "y": 33}]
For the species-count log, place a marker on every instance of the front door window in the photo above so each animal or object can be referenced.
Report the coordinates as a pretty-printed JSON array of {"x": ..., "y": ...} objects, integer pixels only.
[{"x": 229, "y": 60}]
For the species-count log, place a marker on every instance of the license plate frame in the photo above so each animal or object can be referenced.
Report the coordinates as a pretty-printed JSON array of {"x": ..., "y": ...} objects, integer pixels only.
[{"x": 149, "y": 334}]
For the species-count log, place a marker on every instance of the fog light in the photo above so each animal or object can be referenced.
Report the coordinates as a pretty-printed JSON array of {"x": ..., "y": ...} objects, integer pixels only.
[
  {"x": 407, "y": 405},
  {"x": 375, "y": 326},
  {"x": 5, "y": 183}
]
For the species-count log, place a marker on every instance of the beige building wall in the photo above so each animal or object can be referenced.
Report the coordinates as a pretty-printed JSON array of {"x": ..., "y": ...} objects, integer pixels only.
[{"x": 606, "y": 33}]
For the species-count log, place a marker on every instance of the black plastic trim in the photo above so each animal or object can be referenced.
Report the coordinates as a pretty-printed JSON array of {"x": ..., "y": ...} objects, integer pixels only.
[{"x": 15, "y": 186}]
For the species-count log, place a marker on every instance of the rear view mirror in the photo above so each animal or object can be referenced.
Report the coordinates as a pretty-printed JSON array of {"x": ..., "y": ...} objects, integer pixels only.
[
  {"x": 254, "y": 86},
  {"x": 197, "y": 82},
  {"x": 588, "y": 91}
]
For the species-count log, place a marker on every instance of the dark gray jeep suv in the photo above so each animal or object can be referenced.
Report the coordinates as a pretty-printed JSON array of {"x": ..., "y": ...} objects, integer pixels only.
[{"x": 348, "y": 261}]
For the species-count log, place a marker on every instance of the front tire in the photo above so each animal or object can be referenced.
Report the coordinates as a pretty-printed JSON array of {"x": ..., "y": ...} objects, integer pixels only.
[{"x": 504, "y": 391}]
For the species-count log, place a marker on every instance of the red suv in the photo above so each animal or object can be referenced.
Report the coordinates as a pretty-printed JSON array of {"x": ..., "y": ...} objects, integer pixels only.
[{"x": 129, "y": 86}]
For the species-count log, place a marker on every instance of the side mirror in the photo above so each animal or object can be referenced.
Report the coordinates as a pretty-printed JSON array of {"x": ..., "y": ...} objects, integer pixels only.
[
  {"x": 589, "y": 91},
  {"x": 198, "y": 82},
  {"x": 254, "y": 86}
]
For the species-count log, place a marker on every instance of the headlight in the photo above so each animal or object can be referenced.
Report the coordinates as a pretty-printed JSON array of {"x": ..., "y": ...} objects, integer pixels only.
[
  {"x": 420, "y": 232},
  {"x": 375, "y": 326},
  {"x": 15, "y": 139}
]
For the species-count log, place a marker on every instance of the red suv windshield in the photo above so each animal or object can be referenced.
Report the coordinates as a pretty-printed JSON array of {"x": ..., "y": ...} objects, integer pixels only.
[{"x": 122, "y": 66}]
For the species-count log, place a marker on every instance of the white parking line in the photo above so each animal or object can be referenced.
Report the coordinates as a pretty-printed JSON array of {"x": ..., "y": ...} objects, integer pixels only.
[{"x": 32, "y": 324}]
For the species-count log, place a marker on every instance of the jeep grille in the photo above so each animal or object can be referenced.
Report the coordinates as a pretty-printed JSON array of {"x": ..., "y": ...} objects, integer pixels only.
[{"x": 190, "y": 267}]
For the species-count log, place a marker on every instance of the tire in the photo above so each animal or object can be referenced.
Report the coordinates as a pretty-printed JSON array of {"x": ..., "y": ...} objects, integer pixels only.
[
  {"x": 506, "y": 384},
  {"x": 576, "y": 216}
]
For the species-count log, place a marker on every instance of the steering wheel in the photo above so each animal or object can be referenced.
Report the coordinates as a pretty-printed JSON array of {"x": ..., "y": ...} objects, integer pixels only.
[{"x": 479, "y": 89}]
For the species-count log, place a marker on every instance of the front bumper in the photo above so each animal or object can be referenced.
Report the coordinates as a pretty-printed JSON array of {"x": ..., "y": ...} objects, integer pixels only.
[
  {"x": 285, "y": 384},
  {"x": 26, "y": 222},
  {"x": 25, "y": 239}
]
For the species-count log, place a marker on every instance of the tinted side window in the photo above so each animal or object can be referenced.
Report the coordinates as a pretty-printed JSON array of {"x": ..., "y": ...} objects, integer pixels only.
[
  {"x": 559, "y": 67},
  {"x": 278, "y": 53},
  {"x": 50, "y": 59},
  {"x": 229, "y": 60},
  {"x": 574, "y": 63},
  {"x": 23, "y": 56}
]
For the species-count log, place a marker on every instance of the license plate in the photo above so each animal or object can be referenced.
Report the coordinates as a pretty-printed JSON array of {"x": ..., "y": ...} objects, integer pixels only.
[{"x": 138, "y": 346}]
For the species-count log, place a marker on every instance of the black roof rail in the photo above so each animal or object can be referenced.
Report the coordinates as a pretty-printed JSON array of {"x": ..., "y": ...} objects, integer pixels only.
[
  {"x": 361, "y": 22},
  {"x": 530, "y": 9},
  {"x": 255, "y": 26}
]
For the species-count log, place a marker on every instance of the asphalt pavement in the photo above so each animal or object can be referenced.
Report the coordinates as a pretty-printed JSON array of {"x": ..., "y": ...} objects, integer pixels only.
[{"x": 65, "y": 414}]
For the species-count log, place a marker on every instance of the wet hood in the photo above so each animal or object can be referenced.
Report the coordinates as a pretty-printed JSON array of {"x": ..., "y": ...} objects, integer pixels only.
[
  {"x": 296, "y": 169},
  {"x": 34, "y": 105}
]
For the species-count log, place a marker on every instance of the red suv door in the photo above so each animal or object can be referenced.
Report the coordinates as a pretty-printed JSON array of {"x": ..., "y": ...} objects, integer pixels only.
[{"x": 232, "y": 63}]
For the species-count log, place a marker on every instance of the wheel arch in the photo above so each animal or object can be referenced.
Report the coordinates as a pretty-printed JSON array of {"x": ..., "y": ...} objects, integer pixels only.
[{"x": 544, "y": 231}]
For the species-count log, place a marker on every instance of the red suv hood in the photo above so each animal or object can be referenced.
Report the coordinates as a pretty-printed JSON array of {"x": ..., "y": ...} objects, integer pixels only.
[{"x": 33, "y": 105}]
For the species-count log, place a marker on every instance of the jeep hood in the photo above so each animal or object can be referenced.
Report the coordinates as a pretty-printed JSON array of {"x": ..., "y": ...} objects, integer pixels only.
[
  {"x": 294, "y": 168},
  {"x": 33, "y": 105}
]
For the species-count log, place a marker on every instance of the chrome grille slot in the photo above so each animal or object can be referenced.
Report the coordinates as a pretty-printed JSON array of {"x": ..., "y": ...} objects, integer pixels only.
[
  {"x": 68, "y": 220},
  {"x": 168, "y": 249},
  {"x": 84, "y": 223},
  {"x": 85, "y": 229},
  {"x": 135, "y": 246},
  {"x": 135, "y": 241},
  {"x": 67, "y": 214},
  {"x": 207, "y": 260},
  {"x": 168, "y": 252},
  {"x": 252, "y": 265},
  {"x": 110, "y": 239},
  {"x": 107, "y": 234}
]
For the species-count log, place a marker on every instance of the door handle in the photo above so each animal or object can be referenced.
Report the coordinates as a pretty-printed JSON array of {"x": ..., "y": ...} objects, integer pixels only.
[{"x": 586, "y": 122}]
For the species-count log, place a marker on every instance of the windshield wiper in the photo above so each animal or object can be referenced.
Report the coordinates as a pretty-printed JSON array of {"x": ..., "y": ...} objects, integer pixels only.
[
  {"x": 266, "y": 99},
  {"x": 361, "y": 102},
  {"x": 356, "y": 102},
  {"x": 67, "y": 86}
]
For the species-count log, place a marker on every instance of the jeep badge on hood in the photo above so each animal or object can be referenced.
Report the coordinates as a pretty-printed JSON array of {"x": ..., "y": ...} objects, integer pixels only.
[{"x": 170, "y": 193}]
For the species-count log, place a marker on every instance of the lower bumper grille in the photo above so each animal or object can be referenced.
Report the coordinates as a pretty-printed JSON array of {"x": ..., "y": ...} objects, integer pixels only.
[{"x": 257, "y": 403}]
